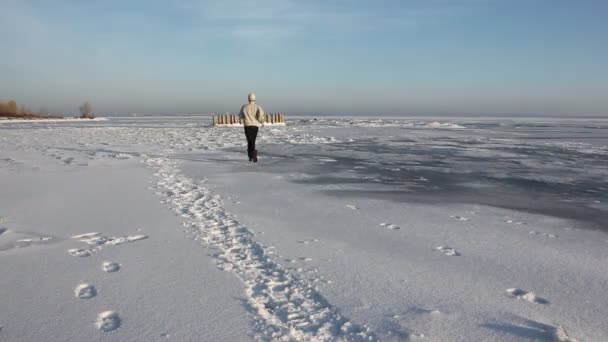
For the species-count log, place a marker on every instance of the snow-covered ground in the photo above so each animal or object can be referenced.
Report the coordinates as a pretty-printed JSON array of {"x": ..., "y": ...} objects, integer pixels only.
[{"x": 356, "y": 229}]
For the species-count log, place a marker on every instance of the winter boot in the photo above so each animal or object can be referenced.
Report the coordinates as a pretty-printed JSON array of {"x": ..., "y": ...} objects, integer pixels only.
[{"x": 255, "y": 156}]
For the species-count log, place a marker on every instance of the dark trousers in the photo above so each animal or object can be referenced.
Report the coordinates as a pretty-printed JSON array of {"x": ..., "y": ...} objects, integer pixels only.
[{"x": 251, "y": 132}]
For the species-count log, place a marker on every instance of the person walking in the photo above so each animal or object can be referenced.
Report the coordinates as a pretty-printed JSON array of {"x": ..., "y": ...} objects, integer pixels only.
[{"x": 252, "y": 116}]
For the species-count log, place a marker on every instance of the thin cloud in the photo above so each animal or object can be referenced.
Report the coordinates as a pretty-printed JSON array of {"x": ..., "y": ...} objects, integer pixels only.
[{"x": 282, "y": 19}]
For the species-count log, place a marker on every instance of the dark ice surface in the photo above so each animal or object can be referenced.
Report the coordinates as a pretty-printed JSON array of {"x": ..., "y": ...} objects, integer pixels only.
[{"x": 556, "y": 168}]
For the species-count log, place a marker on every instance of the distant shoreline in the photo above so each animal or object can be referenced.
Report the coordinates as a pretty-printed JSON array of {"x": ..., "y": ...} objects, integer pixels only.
[
  {"x": 46, "y": 119},
  {"x": 385, "y": 116}
]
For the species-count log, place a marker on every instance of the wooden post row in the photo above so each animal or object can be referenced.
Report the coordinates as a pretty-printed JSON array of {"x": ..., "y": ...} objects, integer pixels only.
[{"x": 230, "y": 119}]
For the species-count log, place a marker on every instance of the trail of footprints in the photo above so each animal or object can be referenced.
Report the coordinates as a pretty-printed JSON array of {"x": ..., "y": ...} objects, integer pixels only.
[
  {"x": 108, "y": 320},
  {"x": 285, "y": 306}
]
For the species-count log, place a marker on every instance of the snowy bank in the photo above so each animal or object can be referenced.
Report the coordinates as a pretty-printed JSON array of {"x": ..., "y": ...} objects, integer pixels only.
[{"x": 8, "y": 120}]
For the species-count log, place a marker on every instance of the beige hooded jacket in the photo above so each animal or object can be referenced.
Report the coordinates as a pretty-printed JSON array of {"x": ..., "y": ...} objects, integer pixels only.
[{"x": 252, "y": 115}]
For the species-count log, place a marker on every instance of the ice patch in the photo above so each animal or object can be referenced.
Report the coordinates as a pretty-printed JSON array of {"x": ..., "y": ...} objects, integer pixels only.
[
  {"x": 85, "y": 291},
  {"x": 107, "y": 321},
  {"x": 350, "y": 206}
]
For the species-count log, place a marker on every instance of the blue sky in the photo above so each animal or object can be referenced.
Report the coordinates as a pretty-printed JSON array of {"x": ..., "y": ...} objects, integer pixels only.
[{"x": 345, "y": 57}]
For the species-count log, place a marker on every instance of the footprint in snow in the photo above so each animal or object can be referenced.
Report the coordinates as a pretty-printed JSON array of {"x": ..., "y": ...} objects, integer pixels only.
[
  {"x": 547, "y": 235},
  {"x": 448, "y": 251},
  {"x": 389, "y": 226},
  {"x": 460, "y": 218},
  {"x": 78, "y": 252},
  {"x": 306, "y": 242},
  {"x": 98, "y": 242},
  {"x": 85, "y": 235},
  {"x": 85, "y": 291},
  {"x": 110, "y": 267},
  {"x": 526, "y": 295},
  {"x": 119, "y": 240},
  {"x": 107, "y": 321},
  {"x": 510, "y": 221}
]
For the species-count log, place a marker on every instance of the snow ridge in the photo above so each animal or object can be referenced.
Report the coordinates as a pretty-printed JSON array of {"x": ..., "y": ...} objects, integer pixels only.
[{"x": 285, "y": 307}]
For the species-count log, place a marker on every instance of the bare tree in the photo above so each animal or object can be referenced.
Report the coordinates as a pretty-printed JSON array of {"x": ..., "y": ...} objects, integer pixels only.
[
  {"x": 86, "y": 111},
  {"x": 12, "y": 107}
]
